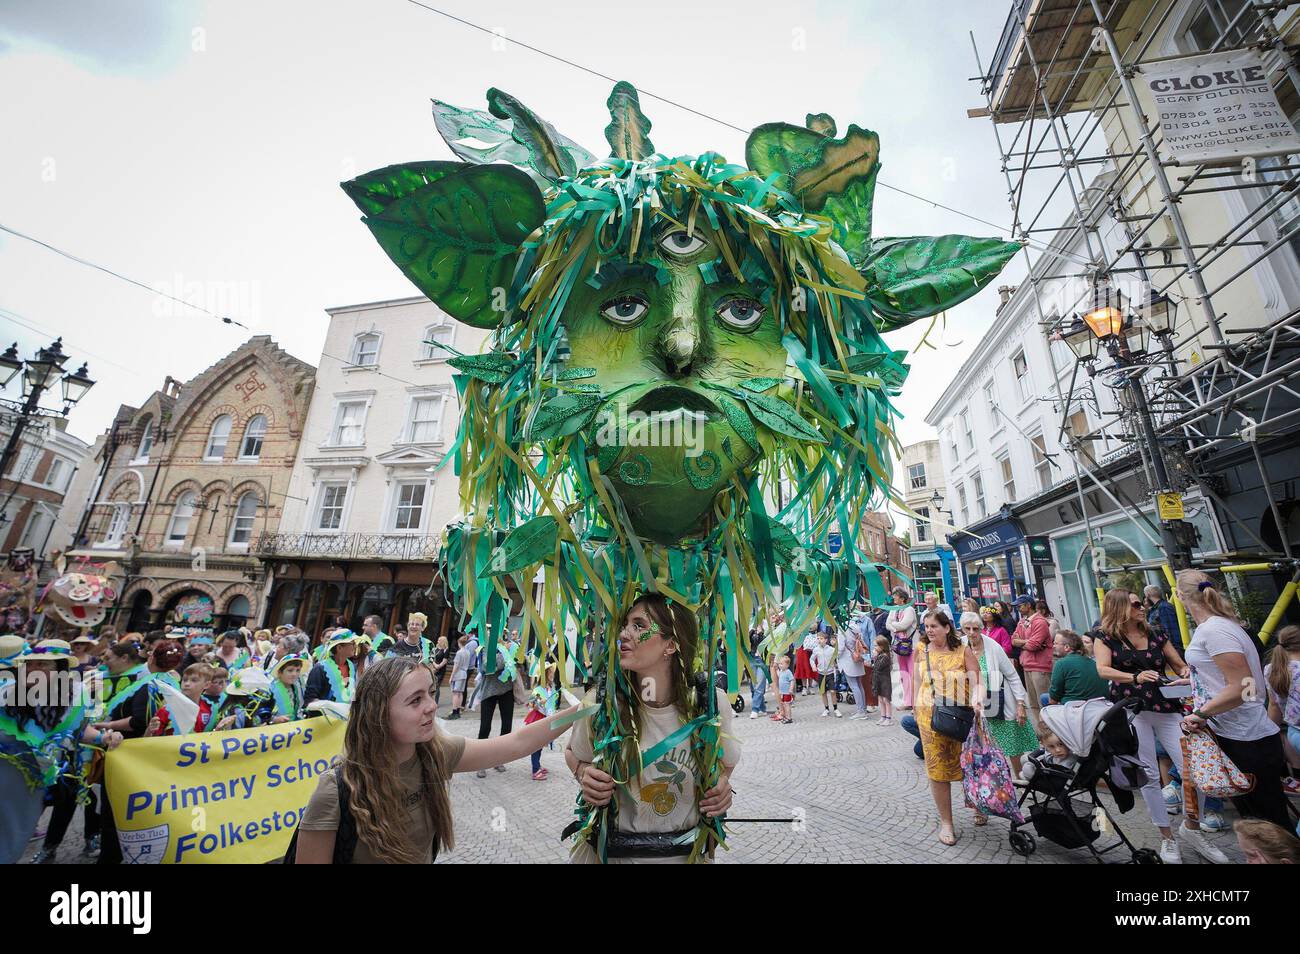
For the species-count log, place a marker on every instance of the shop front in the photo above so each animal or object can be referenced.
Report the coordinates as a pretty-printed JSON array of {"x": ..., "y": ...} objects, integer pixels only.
[
  {"x": 1121, "y": 552},
  {"x": 933, "y": 571},
  {"x": 993, "y": 559}
]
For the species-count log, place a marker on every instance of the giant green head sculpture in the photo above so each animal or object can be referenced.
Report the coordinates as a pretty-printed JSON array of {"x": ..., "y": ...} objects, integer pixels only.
[{"x": 686, "y": 390}]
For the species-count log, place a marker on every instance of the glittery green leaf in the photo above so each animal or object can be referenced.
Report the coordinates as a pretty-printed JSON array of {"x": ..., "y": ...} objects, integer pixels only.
[
  {"x": 494, "y": 367},
  {"x": 777, "y": 415},
  {"x": 739, "y": 421}
]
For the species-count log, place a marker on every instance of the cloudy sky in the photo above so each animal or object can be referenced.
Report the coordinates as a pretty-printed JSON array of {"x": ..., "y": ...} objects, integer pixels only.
[{"x": 197, "y": 147}]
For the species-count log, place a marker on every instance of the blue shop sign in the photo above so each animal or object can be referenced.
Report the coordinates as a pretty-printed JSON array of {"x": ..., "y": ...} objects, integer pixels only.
[{"x": 1003, "y": 535}]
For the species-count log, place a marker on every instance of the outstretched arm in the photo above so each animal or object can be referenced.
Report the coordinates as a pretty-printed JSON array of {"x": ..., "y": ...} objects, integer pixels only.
[{"x": 484, "y": 753}]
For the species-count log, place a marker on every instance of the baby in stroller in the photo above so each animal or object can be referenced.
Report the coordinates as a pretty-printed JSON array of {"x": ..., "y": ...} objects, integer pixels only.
[
  {"x": 1054, "y": 753},
  {"x": 1085, "y": 743}
]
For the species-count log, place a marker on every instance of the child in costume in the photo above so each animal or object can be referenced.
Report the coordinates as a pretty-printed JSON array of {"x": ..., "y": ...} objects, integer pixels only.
[
  {"x": 286, "y": 698},
  {"x": 334, "y": 677},
  {"x": 194, "y": 680},
  {"x": 823, "y": 662},
  {"x": 243, "y": 699}
]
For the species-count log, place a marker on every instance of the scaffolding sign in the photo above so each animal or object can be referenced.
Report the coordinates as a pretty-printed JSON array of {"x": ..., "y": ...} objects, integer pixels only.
[{"x": 1218, "y": 107}]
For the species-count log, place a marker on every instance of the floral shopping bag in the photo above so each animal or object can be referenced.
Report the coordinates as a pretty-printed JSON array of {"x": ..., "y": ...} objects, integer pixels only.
[
  {"x": 986, "y": 777},
  {"x": 1211, "y": 771}
]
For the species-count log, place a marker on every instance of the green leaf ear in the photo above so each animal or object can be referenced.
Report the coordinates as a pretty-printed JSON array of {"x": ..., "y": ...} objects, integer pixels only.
[
  {"x": 911, "y": 278},
  {"x": 546, "y": 152},
  {"x": 480, "y": 137},
  {"x": 457, "y": 236},
  {"x": 628, "y": 129},
  {"x": 810, "y": 165},
  {"x": 375, "y": 191}
]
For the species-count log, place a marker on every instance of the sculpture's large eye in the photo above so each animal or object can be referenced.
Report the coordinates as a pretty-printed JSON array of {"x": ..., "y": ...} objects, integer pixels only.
[
  {"x": 681, "y": 242},
  {"x": 627, "y": 310},
  {"x": 741, "y": 314}
]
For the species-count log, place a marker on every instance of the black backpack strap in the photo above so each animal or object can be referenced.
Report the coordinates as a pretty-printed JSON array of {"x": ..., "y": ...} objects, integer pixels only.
[{"x": 345, "y": 841}]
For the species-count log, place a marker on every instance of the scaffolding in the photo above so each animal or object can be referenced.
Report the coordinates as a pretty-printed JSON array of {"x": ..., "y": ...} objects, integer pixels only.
[{"x": 1074, "y": 137}]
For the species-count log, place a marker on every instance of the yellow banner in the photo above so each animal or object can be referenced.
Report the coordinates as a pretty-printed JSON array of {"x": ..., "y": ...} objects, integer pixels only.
[{"x": 217, "y": 797}]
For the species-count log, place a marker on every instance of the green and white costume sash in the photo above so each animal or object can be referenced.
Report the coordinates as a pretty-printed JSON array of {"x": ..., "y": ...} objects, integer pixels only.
[
  {"x": 288, "y": 700},
  {"x": 340, "y": 692}
]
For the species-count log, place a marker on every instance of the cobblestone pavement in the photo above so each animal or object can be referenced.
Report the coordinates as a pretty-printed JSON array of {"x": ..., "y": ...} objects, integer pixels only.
[{"x": 858, "y": 792}]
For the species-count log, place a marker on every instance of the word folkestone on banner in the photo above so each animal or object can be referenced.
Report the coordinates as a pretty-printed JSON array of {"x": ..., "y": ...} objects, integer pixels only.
[{"x": 222, "y": 797}]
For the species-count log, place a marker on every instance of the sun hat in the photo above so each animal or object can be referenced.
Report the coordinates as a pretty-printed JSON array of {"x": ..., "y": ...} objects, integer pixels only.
[
  {"x": 248, "y": 681},
  {"x": 50, "y": 650},
  {"x": 11, "y": 648},
  {"x": 301, "y": 658}
]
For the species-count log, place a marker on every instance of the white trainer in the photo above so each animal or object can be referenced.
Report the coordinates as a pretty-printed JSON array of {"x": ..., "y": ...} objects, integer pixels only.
[
  {"x": 1169, "y": 853},
  {"x": 753, "y": 713},
  {"x": 839, "y": 714},
  {"x": 826, "y": 712},
  {"x": 1201, "y": 845}
]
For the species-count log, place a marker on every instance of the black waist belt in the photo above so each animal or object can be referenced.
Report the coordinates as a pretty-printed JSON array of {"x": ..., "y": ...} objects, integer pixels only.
[{"x": 630, "y": 844}]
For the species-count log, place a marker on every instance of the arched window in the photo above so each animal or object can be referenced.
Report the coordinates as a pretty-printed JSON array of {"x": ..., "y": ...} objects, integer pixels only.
[
  {"x": 238, "y": 611},
  {"x": 434, "y": 335},
  {"x": 251, "y": 449},
  {"x": 218, "y": 438},
  {"x": 182, "y": 514},
  {"x": 365, "y": 350},
  {"x": 241, "y": 531},
  {"x": 146, "y": 440}
]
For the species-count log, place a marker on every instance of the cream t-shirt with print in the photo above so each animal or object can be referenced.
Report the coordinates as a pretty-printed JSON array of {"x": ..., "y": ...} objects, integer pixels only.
[{"x": 663, "y": 797}]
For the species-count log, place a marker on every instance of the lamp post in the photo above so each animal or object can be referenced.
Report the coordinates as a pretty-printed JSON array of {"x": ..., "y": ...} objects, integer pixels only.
[
  {"x": 1110, "y": 325},
  {"x": 39, "y": 375}
]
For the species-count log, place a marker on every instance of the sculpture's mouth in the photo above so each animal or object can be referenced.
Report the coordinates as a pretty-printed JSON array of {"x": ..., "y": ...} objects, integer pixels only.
[{"x": 673, "y": 398}]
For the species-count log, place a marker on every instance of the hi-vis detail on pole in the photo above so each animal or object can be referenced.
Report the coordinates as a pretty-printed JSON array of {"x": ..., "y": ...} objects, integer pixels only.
[{"x": 1170, "y": 506}]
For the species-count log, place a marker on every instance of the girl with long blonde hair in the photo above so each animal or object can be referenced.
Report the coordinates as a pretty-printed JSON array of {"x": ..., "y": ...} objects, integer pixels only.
[
  {"x": 1228, "y": 689},
  {"x": 386, "y": 801},
  {"x": 655, "y": 798}
]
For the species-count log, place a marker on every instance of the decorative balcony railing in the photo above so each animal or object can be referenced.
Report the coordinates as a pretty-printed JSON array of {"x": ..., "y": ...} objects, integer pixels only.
[{"x": 348, "y": 546}]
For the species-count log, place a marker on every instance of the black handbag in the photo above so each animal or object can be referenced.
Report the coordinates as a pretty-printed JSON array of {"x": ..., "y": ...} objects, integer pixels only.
[{"x": 949, "y": 720}]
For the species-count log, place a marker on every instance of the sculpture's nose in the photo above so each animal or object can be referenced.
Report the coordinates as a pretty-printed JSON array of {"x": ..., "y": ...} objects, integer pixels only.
[{"x": 681, "y": 343}]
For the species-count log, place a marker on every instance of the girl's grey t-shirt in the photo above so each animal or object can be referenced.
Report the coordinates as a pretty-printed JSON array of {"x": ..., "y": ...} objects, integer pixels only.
[{"x": 1248, "y": 721}]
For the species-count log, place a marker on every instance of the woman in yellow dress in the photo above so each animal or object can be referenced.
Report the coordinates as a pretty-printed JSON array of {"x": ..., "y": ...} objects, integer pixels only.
[{"x": 947, "y": 670}]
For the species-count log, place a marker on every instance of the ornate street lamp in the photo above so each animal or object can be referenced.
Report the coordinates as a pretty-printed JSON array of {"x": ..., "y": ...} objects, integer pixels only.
[
  {"x": 39, "y": 375},
  {"x": 76, "y": 385},
  {"x": 10, "y": 365}
]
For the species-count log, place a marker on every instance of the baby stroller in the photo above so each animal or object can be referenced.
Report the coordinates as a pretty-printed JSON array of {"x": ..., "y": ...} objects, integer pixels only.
[
  {"x": 1101, "y": 736},
  {"x": 720, "y": 682}
]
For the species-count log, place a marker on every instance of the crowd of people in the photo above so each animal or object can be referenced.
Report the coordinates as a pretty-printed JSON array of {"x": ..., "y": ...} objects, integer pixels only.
[
  {"x": 1011, "y": 663},
  {"x": 176, "y": 681},
  {"x": 387, "y": 799}
]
